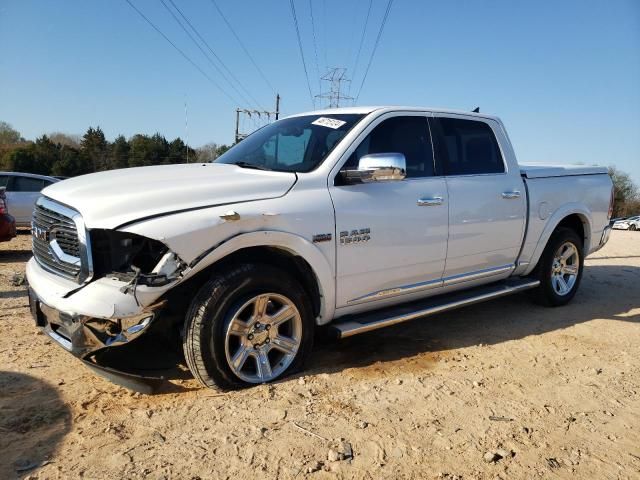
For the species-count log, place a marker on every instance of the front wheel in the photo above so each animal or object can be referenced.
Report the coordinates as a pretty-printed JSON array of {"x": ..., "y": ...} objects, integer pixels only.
[
  {"x": 633, "y": 228},
  {"x": 252, "y": 324},
  {"x": 560, "y": 268}
]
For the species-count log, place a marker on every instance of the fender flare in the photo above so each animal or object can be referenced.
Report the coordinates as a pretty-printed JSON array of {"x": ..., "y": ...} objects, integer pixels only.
[
  {"x": 289, "y": 242},
  {"x": 569, "y": 209}
]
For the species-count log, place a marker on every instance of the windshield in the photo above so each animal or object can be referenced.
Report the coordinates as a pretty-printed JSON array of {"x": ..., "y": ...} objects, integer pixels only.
[{"x": 297, "y": 144}]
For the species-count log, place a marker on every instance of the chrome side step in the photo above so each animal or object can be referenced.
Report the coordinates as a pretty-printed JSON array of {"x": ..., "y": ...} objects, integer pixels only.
[{"x": 353, "y": 325}]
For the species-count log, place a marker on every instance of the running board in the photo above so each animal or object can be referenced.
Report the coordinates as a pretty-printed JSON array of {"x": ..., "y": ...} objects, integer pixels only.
[{"x": 355, "y": 324}]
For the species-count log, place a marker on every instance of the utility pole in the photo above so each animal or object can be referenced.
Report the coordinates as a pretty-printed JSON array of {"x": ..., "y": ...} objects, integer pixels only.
[
  {"x": 262, "y": 115},
  {"x": 336, "y": 77},
  {"x": 186, "y": 125}
]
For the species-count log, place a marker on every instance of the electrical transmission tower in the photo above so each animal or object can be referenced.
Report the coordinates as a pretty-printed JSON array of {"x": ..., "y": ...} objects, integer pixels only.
[
  {"x": 263, "y": 117},
  {"x": 336, "y": 78}
]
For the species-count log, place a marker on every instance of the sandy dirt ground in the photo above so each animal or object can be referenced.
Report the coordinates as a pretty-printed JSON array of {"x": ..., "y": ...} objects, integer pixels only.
[{"x": 501, "y": 390}]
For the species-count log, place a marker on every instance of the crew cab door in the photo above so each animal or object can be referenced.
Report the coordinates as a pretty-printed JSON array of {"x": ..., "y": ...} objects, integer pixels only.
[
  {"x": 391, "y": 237},
  {"x": 487, "y": 200}
]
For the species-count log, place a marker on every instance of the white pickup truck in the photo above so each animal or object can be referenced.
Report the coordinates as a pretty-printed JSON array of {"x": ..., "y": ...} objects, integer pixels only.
[{"x": 353, "y": 218}]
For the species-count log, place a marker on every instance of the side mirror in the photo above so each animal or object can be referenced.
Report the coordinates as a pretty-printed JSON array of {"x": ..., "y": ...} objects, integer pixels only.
[{"x": 378, "y": 167}]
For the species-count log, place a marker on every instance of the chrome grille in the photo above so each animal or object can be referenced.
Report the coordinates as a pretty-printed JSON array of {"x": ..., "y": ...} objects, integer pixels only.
[{"x": 56, "y": 246}]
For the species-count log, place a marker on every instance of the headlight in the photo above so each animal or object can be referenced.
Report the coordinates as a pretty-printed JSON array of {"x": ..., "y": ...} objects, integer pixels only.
[{"x": 129, "y": 256}]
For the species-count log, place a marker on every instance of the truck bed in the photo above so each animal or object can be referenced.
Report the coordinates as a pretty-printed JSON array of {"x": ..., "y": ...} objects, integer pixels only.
[{"x": 532, "y": 170}]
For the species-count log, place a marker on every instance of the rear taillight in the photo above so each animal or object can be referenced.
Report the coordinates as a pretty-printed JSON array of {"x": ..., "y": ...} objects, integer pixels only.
[
  {"x": 610, "y": 214},
  {"x": 3, "y": 204}
]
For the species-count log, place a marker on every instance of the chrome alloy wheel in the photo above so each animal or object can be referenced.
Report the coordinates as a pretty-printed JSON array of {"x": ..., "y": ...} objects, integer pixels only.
[
  {"x": 564, "y": 271},
  {"x": 263, "y": 337}
]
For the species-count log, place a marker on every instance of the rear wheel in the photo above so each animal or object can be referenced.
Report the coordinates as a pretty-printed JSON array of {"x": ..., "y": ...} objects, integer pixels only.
[
  {"x": 560, "y": 268},
  {"x": 252, "y": 324}
]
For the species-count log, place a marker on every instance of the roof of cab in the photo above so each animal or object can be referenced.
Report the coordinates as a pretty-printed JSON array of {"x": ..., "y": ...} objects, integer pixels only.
[{"x": 365, "y": 110}]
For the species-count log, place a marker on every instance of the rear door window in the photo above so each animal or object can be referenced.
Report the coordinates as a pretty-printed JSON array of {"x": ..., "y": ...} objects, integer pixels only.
[
  {"x": 4, "y": 180},
  {"x": 467, "y": 147}
]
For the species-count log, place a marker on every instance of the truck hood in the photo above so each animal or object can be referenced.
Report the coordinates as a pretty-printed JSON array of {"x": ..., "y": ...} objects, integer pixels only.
[{"x": 111, "y": 199}]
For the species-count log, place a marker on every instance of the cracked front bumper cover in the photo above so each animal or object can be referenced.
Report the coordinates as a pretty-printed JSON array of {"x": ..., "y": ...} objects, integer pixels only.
[{"x": 84, "y": 335}]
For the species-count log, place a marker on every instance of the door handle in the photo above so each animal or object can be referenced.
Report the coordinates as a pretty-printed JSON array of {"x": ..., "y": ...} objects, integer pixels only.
[
  {"x": 511, "y": 195},
  {"x": 430, "y": 202}
]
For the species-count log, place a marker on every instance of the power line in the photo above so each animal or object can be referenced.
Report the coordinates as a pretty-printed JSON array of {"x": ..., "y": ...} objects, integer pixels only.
[
  {"x": 375, "y": 46},
  {"x": 181, "y": 52},
  {"x": 202, "y": 50},
  {"x": 304, "y": 64},
  {"x": 315, "y": 48},
  {"x": 324, "y": 32},
  {"x": 364, "y": 30},
  {"x": 349, "y": 51},
  {"x": 206, "y": 44},
  {"x": 243, "y": 47}
]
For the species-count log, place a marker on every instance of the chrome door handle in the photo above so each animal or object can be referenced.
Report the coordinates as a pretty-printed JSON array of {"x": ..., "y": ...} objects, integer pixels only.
[
  {"x": 430, "y": 202},
  {"x": 511, "y": 195}
]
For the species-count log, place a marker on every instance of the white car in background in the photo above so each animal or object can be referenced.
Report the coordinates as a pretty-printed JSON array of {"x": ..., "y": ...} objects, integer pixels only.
[
  {"x": 631, "y": 223},
  {"x": 22, "y": 191}
]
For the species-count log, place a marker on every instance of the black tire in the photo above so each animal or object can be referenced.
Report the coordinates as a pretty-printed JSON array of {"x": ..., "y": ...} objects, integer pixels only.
[
  {"x": 633, "y": 228},
  {"x": 546, "y": 294},
  {"x": 209, "y": 315}
]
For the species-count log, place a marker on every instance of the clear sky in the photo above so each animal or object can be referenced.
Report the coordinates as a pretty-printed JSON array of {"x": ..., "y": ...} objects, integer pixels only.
[{"x": 563, "y": 75}]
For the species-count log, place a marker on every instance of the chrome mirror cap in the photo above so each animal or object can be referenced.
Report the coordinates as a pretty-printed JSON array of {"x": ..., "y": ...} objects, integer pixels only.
[{"x": 379, "y": 167}]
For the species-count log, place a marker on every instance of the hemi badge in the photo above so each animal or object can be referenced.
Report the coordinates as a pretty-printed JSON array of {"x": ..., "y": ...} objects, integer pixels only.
[{"x": 322, "y": 237}]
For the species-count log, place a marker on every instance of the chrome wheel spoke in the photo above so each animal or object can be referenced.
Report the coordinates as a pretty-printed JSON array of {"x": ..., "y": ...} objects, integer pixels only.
[
  {"x": 238, "y": 328},
  {"x": 240, "y": 357},
  {"x": 562, "y": 284},
  {"x": 568, "y": 253},
  {"x": 286, "y": 345},
  {"x": 260, "y": 306},
  {"x": 570, "y": 269},
  {"x": 263, "y": 366},
  {"x": 284, "y": 314}
]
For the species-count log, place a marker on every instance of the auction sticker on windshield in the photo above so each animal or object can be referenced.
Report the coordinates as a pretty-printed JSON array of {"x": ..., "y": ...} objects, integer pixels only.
[{"x": 328, "y": 122}]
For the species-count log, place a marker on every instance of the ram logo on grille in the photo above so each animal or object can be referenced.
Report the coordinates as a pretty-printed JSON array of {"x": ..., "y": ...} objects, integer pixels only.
[{"x": 40, "y": 233}]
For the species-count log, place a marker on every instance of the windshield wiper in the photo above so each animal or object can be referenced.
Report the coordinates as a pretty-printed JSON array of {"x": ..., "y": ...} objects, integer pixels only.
[{"x": 252, "y": 165}]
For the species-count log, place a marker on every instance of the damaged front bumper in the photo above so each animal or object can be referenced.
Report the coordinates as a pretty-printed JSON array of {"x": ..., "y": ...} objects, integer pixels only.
[
  {"x": 98, "y": 322},
  {"x": 83, "y": 335}
]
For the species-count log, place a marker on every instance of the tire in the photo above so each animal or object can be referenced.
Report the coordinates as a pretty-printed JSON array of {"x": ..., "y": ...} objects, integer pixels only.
[
  {"x": 222, "y": 330},
  {"x": 633, "y": 228},
  {"x": 551, "y": 292}
]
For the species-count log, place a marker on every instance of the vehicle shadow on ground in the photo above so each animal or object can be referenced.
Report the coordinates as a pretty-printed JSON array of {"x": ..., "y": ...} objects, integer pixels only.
[
  {"x": 33, "y": 421},
  {"x": 15, "y": 256},
  {"x": 13, "y": 294},
  {"x": 489, "y": 323}
]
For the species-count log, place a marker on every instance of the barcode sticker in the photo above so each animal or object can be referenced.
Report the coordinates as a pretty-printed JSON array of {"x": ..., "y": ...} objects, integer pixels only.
[{"x": 328, "y": 122}]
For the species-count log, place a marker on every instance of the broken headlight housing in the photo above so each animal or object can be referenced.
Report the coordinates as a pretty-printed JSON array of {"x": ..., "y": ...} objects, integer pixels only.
[{"x": 130, "y": 257}]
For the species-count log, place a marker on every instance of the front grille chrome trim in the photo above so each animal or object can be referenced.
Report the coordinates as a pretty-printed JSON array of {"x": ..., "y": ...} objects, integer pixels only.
[{"x": 65, "y": 248}]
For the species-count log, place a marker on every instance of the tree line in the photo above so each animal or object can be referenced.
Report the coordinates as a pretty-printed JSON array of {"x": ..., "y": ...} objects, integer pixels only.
[
  {"x": 60, "y": 154},
  {"x": 626, "y": 199}
]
